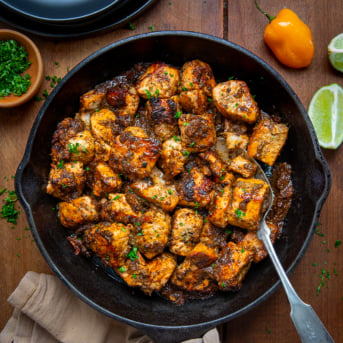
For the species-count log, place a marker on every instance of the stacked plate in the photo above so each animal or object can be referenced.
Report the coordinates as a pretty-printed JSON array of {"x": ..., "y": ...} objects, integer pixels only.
[{"x": 70, "y": 18}]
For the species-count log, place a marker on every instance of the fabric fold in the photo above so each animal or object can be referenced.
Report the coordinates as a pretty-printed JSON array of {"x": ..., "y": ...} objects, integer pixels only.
[{"x": 46, "y": 311}]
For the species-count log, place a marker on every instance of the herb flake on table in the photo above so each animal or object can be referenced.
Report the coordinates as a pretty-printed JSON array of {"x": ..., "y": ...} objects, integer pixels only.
[{"x": 9, "y": 210}]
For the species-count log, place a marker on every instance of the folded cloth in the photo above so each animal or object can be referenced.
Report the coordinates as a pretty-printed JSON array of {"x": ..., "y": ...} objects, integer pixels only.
[{"x": 46, "y": 311}]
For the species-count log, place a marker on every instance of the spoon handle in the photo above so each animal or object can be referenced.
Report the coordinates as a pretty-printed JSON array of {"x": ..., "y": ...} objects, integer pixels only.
[{"x": 308, "y": 325}]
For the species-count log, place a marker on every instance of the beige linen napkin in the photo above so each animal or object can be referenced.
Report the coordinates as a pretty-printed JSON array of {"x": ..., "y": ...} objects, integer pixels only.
[{"x": 46, "y": 311}]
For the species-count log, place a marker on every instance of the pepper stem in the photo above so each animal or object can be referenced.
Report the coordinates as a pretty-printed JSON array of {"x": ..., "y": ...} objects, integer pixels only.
[{"x": 270, "y": 17}]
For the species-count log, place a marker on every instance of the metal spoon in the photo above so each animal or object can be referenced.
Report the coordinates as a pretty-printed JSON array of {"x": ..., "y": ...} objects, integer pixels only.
[{"x": 308, "y": 325}]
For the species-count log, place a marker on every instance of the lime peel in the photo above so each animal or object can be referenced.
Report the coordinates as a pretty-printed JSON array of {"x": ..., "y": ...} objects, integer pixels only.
[
  {"x": 326, "y": 113},
  {"x": 335, "y": 51}
]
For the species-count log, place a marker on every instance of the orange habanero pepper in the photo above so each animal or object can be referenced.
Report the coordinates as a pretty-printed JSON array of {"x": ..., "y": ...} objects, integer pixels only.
[{"x": 289, "y": 38}]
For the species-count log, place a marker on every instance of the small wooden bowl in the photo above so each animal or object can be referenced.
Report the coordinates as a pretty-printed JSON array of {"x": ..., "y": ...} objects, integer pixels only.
[{"x": 35, "y": 70}]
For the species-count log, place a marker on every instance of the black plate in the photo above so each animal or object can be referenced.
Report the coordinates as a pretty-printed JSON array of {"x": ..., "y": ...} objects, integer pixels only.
[
  {"x": 59, "y": 11},
  {"x": 117, "y": 15},
  {"x": 161, "y": 319}
]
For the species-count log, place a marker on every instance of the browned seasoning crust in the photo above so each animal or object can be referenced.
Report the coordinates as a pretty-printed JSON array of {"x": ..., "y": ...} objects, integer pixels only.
[{"x": 144, "y": 185}]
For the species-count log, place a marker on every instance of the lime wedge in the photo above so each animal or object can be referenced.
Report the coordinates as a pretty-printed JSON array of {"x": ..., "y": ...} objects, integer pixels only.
[
  {"x": 335, "y": 50},
  {"x": 326, "y": 113}
]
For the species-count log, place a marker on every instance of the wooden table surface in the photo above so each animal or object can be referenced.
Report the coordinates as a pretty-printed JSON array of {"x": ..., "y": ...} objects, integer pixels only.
[{"x": 239, "y": 22}]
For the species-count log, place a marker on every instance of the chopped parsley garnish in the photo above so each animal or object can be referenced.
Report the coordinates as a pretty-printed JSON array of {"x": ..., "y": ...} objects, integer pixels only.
[
  {"x": 177, "y": 114},
  {"x": 8, "y": 210},
  {"x": 132, "y": 255},
  {"x": 116, "y": 197},
  {"x": 122, "y": 269},
  {"x": 60, "y": 164},
  {"x": 152, "y": 28},
  {"x": 337, "y": 243},
  {"x": 131, "y": 26},
  {"x": 239, "y": 213},
  {"x": 148, "y": 94},
  {"x": 13, "y": 63},
  {"x": 73, "y": 148}
]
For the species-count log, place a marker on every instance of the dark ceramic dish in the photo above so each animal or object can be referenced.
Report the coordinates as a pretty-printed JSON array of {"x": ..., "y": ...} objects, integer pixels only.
[
  {"x": 61, "y": 11},
  {"x": 162, "y": 320},
  {"x": 116, "y": 15}
]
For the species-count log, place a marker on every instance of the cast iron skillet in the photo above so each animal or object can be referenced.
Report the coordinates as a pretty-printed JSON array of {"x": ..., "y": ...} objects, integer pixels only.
[{"x": 160, "y": 319}]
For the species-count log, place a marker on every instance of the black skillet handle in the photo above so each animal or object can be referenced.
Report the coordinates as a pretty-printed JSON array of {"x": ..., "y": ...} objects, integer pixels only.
[
  {"x": 176, "y": 335},
  {"x": 320, "y": 180}
]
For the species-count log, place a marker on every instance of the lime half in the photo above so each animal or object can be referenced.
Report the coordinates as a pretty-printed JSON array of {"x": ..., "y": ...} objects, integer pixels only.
[
  {"x": 335, "y": 50},
  {"x": 326, "y": 113}
]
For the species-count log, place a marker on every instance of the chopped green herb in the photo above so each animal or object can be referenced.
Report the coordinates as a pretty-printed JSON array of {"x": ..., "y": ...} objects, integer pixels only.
[
  {"x": 185, "y": 153},
  {"x": 176, "y": 139},
  {"x": 131, "y": 26},
  {"x": 116, "y": 197},
  {"x": 239, "y": 213},
  {"x": 8, "y": 210},
  {"x": 13, "y": 63},
  {"x": 316, "y": 231},
  {"x": 170, "y": 191},
  {"x": 122, "y": 269},
  {"x": 152, "y": 28},
  {"x": 337, "y": 243},
  {"x": 60, "y": 164},
  {"x": 132, "y": 255},
  {"x": 148, "y": 94},
  {"x": 73, "y": 148},
  {"x": 177, "y": 114}
]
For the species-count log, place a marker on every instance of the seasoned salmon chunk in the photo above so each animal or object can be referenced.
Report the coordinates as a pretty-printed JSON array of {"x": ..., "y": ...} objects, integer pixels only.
[
  {"x": 231, "y": 267},
  {"x": 243, "y": 166},
  {"x": 186, "y": 230},
  {"x": 247, "y": 203},
  {"x": 134, "y": 153},
  {"x": 109, "y": 241},
  {"x": 159, "y": 80},
  {"x": 267, "y": 140},
  {"x": 197, "y": 132},
  {"x": 234, "y": 101},
  {"x": 78, "y": 211},
  {"x": 197, "y": 74}
]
